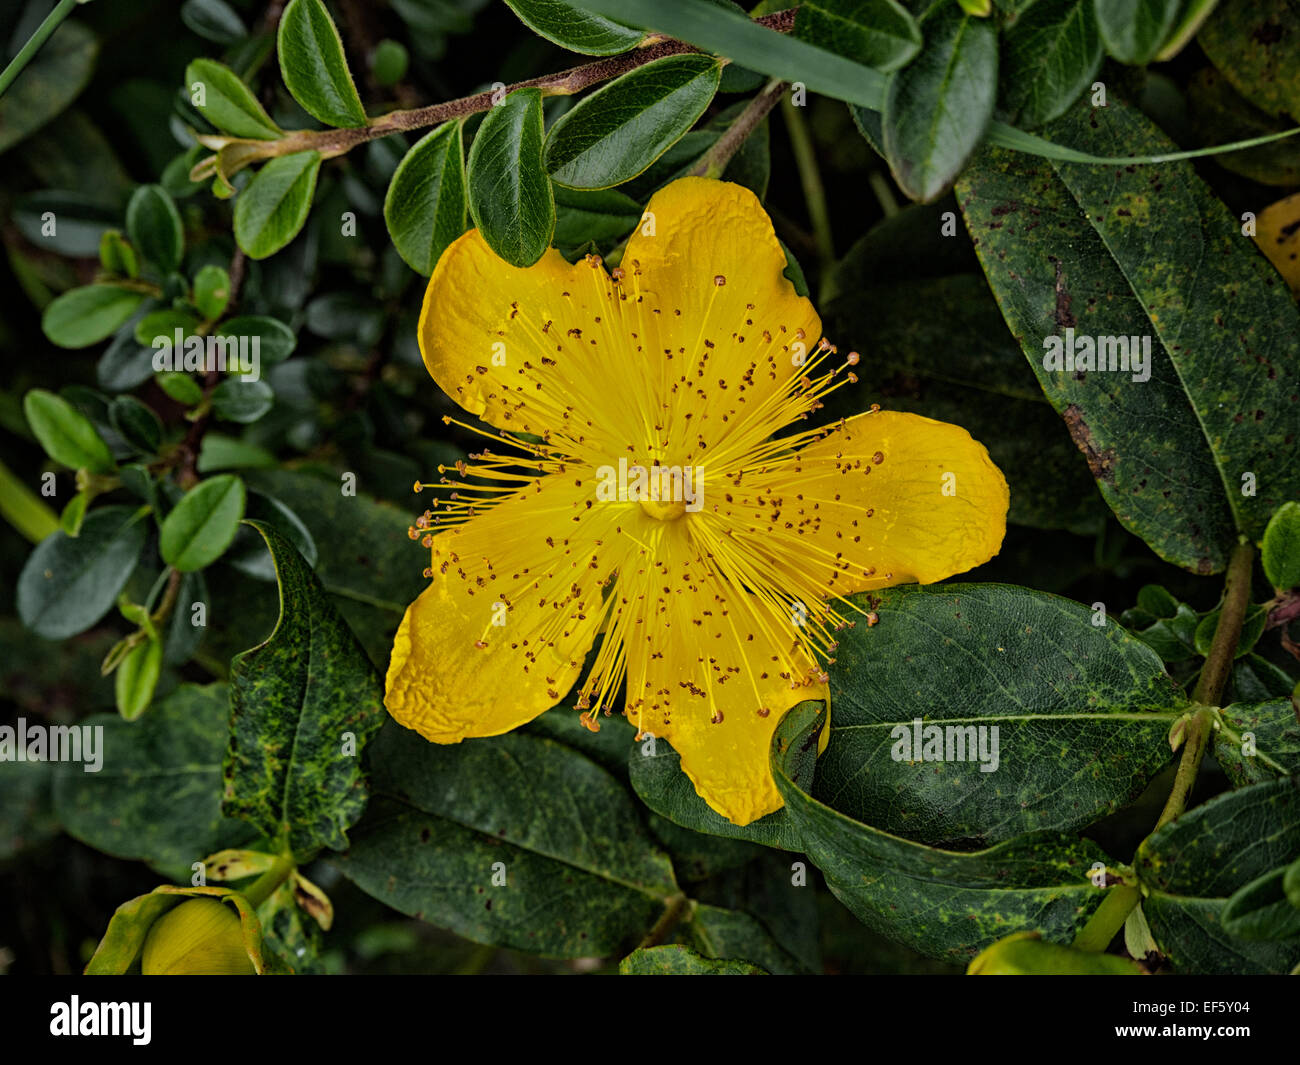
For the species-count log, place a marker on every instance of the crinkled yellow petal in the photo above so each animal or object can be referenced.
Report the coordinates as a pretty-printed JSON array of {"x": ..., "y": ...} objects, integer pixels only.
[
  {"x": 712, "y": 669},
  {"x": 522, "y": 348},
  {"x": 514, "y": 604},
  {"x": 707, "y": 271},
  {"x": 885, "y": 498}
]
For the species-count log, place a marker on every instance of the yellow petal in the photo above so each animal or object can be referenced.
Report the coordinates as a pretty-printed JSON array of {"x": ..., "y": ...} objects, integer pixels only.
[
  {"x": 712, "y": 670},
  {"x": 708, "y": 272},
  {"x": 885, "y": 498},
  {"x": 500, "y": 634}
]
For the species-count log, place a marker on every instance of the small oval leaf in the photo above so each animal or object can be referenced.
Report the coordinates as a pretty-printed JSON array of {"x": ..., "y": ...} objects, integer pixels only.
[
  {"x": 313, "y": 65},
  {"x": 201, "y": 526},
  {"x": 425, "y": 208},
  {"x": 274, "y": 207}
]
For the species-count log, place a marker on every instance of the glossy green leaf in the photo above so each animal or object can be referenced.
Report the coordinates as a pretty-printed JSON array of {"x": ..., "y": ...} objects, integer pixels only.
[
  {"x": 251, "y": 555},
  {"x": 1280, "y": 551},
  {"x": 1260, "y": 910},
  {"x": 275, "y": 340},
  {"x": 136, "y": 423},
  {"x": 1253, "y": 43},
  {"x": 225, "y": 101},
  {"x": 303, "y": 704},
  {"x": 1050, "y": 55},
  {"x": 569, "y": 27},
  {"x": 981, "y": 712},
  {"x": 1134, "y": 30},
  {"x": 314, "y": 68},
  {"x": 136, "y": 678},
  {"x": 200, "y": 527},
  {"x": 425, "y": 208},
  {"x": 1193, "y": 865},
  {"x": 676, "y": 960},
  {"x": 67, "y": 435},
  {"x": 957, "y": 902},
  {"x": 211, "y": 291},
  {"x": 169, "y": 760},
  {"x": 1158, "y": 258},
  {"x": 162, "y": 324},
  {"x": 509, "y": 193},
  {"x": 599, "y": 215},
  {"x": 154, "y": 226},
  {"x": 619, "y": 130},
  {"x": 1252, "y": 628},
  {"x": 54, "y": 78},
  {"x": 938, "y": 107},
  {"x": 730, "y": 935},
  {"x": 87, "y": 315},
  {"x": 213, "y": 20},
  {"x": 581, "y": 875},
  {"x": 242, "y": 401},
  {"x": 1258, "y": 741},
  {"x": 274, "y": 207},
  {"x": 879, "y": 33}
]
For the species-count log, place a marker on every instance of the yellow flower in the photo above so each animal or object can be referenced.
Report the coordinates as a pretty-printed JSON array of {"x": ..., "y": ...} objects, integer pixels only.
[{"x": 718, "y": 595}]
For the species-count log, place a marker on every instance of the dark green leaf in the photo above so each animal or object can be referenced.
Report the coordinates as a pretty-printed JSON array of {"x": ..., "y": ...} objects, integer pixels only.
[
  {"x": 581, "y": 875},
  {"x": 26, "y": 810},
  {"x": 242, "y": 401},
  {"x": 1260, "y": 910},
  {"x": 314, "y": 68},
  {"x": 1030, "y": 717},
  {"x": 1258, "y": 741},
  {"x": 136, "y": 423},
  {"x": 956, "y": 902},
  {"x": 200, "y": 527},
  {"x": 938, "y": 107},
  {"x": 273, "y": 208},
  {"x": 67, "y": 435},
  {"x": 1050, "y": 55},
  {"x": 50, "y": 83},
  {"x": 154, "y": 226},
  {"x": 254, "y": 558},
  {"x": 1280, "y": 551},
  {"x": 274, "y": 340},
  {"x": 78, "y": 224},
  {"x": 87, "y": 315},
  {"x": 564, "y": 24},
  {"x": 425, "y": 208},
  {"x": 879, "y": 33},
  {"x": 619, "y": 130},
  {"x": 169, "y": 761},
  {"x": 1202, "y": 302},
  {"x": 1252, "y": 629},
  {"x": 509, "y": 193},
  {"x": 162, "y": 325},
  {"x": 303, "y": 705},
  {"x": 599, "y": 215},
  {"x": 1253, "y": 43},
  {"x": 67, "y": 585},
  {"x": 729, "y": 935},
  {"x": 227, "y": 102},
  {"x": 1134, "y": 30},
  {"x": 676, "y": 960},
  {"x": 1193, "y": 865},
  {"x": 213, "y": 20}
]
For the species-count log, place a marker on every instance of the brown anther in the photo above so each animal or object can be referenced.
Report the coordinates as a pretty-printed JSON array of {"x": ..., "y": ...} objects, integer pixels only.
[
  {"x": 872, "y": 618},
  {"x": 418, "y": 487},
  {"x": 480, "y": 644},
  {"x": 853, "y": 358},
  {"x": 719, "y": 280}
]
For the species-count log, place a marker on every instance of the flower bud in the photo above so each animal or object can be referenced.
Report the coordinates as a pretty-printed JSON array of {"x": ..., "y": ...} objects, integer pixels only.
[{"x": 200, "y": 937}]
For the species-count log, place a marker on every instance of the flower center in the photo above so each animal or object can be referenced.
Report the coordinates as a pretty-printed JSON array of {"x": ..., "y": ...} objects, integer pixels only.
[{"x": 665, "y": 511}]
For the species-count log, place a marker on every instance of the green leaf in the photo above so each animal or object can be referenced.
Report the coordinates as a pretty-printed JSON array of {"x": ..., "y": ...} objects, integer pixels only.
[
  {"x": 1260, "y": 910},
  {"x": 242, "y": 401},
  {"x": 956, "y": 902},
  {"x": 1291, "y": 883},
  {"x": 1280, "y": 551},
  {"x": 136, "y": 423},
  {"x": 937, "y": 108},
  {"x": 1030, "y": 717},
  {"x": 1256, "y": 680},
  {"x": 162, "y": 325},
  {"x": 879, "y": 33},
  {"x": 211, "y": 291},
  {"x": 274, "y": 207},
  {"x": 582, "y": 877},
  {"x": 566, "y": 25},
  {"x": 255, "y": 559},
  {"x": 69, "y": 584},
  {"x": 1193, "y": 865},
  {"x": 676, "y": 960},
  {"x": 425, "y": 208},
  {"x": 1134, "y": 30},
  {"x": 213, "y": 20},
  {"x": 227, "y": 102},
  {"x": 303, "y": 705},
  {"x": 79, "y": 225},
  {"x": 200, "y": 527},
  {"x": 314, "y": 68},
  {"x": 1025, "y": 954},
  {"x": 136, "y": 678},
  {"x": 509, "y": 193},
  {"x": 619, "y": 130},
  {"x": 389, "y": 62},
  {"x": 722, "y": 934},
  {"x": 1172, "y": 453},
  {"x": 169, "y": 761},
  {"x": 181, "y": 387},
  {"x": 154, "y": 226},
  {"x": 1253, "y": 43},
  {"x": 1051, "y": 54},
  {"x": 67, "y": 435},
  {"x": 26, "y": 811},
  {"x": 275, "y": 340},
  {"x": 1259, "y": 741},
  {"x": 1252, "y": 629},
  {"x": 87, "y": 315},
  {"x": 117, "y": 256},
  {"x": 55, "y": 77},
  {"x": 598, "y": 215}
]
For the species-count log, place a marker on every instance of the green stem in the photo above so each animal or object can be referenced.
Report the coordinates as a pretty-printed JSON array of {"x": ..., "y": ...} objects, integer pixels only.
[
  {"x": 805, "y": 159},
  {"x": 674, "y": 909},
  {"x": 1108, "y": 918},
  {"x": 715, "y": 160},
  {"x": 265, "y": 884},
  {"x": 43, "y": 32}
]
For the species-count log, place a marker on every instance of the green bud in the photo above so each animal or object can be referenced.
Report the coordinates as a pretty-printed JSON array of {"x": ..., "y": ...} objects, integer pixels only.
[{"x": 200, "y": 937}]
